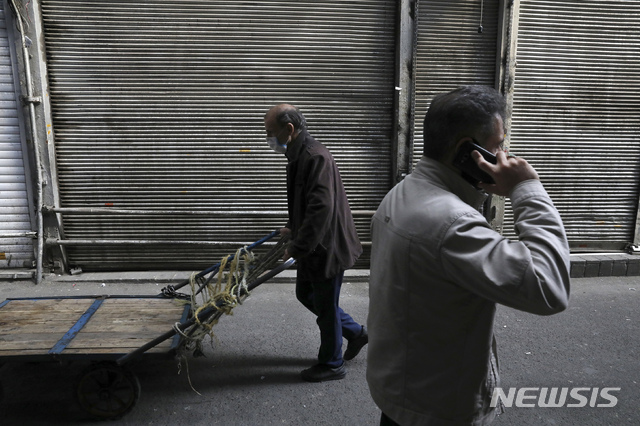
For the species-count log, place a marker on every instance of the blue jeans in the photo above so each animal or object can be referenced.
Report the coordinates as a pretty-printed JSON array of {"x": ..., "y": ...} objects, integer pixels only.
[{"x": 321, "y": 298}]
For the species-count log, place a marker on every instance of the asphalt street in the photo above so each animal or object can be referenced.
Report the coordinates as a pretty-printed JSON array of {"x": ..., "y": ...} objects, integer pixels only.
[{"x": 250, "y": 375}]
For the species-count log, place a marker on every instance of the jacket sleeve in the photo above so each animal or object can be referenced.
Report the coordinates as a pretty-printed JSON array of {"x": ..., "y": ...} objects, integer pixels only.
[
  {"x": 319, "y": 195},
  {"x": 531, "y": 274}
]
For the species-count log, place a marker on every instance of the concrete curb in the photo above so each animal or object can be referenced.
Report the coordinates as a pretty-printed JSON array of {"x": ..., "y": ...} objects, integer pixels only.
[
  {"x": 582, "y": 266},
  {"x": 172, "y": 277},
  {"x": 605, "y": 265}
]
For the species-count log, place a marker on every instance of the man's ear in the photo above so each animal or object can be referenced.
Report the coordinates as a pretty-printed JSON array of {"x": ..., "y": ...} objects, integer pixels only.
[
  {"x": 290, "y": 129},
  {"x": 450, "y": 155},
  {"x": 460, "y": 142}
]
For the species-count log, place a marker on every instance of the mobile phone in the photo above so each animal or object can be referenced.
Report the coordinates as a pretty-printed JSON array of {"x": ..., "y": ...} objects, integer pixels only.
[{"x": 467, "y": 165}]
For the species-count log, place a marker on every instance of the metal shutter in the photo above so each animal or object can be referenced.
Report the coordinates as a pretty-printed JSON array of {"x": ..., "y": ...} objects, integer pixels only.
[
  {"x": 575, "y": 114},
  {"x": 159, "y": 105},
  {"x": 451, "y": 52},
  {"x": 16, "y": 246}
]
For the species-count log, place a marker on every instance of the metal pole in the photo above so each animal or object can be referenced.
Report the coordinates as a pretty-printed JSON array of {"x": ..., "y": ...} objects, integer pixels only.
[
  {"x": 211, "y": 213},
  {"x": 19, "y": 235},
  {"x": 31, "y": 100},
  {"x": 53, "y": 242}
]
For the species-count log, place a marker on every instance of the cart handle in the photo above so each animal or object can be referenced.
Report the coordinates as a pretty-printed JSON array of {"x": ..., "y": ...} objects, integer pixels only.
[
  {"x": 204, "y": 315},
  {"x": 217, "y": 265}
]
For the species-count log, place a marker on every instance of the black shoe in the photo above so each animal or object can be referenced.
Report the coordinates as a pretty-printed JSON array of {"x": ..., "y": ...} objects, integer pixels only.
[
  {"x": 323, "y": 373},
  {"x": 355, "y": 345}
]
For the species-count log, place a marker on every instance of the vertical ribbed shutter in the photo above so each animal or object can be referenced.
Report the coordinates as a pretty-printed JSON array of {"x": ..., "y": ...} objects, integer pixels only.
[
  {"x": 159, "y": 105},
  {"x": 451, "y": 52},
  {"x": 16, "y": 249},
  {"x": 576, "y": 114}
]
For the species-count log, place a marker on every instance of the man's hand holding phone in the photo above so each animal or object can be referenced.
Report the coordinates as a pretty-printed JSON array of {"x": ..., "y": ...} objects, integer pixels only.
[{"x": 507, "y": 172}]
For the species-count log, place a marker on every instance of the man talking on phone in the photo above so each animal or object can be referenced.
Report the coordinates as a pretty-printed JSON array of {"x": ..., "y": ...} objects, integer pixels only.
[{"x": 438, "y": 269}]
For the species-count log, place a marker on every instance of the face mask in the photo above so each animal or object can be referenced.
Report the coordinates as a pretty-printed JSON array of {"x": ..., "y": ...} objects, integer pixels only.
[{"x": 275, "y": 145}]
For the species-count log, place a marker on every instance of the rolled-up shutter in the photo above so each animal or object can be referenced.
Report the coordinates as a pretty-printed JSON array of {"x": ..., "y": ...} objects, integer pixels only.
[
  {"x": 576, "y": 114},
  {"x": 159, "y": 105},
  {"x": 451, "y": 52},
  {"x": 16, "y": 246}
]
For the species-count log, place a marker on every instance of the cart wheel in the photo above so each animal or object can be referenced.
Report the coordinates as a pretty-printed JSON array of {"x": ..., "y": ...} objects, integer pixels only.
[{"x": 107, "y": 391}]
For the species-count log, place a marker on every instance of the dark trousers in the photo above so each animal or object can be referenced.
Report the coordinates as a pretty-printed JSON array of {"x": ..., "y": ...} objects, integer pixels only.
[
  {"x": 386, "y": 421},
  {"x": 321, "y": 298}
]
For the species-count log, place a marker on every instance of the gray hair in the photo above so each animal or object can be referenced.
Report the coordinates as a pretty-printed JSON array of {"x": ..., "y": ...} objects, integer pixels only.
[{"x": 291, "y": 115}]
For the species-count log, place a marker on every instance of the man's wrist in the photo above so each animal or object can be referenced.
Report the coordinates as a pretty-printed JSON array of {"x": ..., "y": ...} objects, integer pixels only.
[{"x": 525, "y": 186}]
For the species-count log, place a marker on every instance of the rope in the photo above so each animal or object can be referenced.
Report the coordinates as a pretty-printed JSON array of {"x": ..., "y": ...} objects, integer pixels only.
[{"x": 230, "y": 290}]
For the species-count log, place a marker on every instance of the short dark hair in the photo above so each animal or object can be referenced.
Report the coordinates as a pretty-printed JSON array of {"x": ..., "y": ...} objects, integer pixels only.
[
  {"x": 291, "y": 115},
  {"x": 465, "y": 111}
]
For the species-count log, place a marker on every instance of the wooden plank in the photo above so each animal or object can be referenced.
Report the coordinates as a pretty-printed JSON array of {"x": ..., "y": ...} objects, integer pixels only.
[
  {"x": 43, "y": 312},
  {"x": 94, "y": 351},
  {"x": 115, "y": 314},
  {"x": 39, "y": 318},
  {"x": 43, "y": 346},
  {"x": 44, "y": 305},
  {"x": 30, "y": 326},
  {"x": 30, "y": 303},
  {"x": 140, "y": 329},
  {"x": 141, "y": 302},
  {"x": 18, "y": 312},
  {"x": 34, "y": 326},
  {"x": 115, "y": 351},
  {"x": 15, "y": 315},
  {"x": 116, "y": 345},
  {"x": 132, "y": 323}
]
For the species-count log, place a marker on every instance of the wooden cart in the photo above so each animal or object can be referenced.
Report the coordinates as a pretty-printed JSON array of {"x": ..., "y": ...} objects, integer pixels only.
[
  {"x": 113, "y": 330},
  {"x": 102, "y": 329}
]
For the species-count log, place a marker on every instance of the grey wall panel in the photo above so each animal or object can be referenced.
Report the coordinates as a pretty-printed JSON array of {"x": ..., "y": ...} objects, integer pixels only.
[
  {"x": 451, "y": 52},
  {"x": 16, "y": 248},
  {"x": 160, "y": 104},
  {"x": 575, "y": 114}
]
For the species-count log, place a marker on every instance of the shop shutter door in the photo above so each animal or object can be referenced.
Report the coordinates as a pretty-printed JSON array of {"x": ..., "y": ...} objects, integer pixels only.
[
  {"x": 451, "y": 53},
  {"x": 159, "y": 105},
  {"x": 16, "y": 248},
  {"x": 575, "y": 114}
]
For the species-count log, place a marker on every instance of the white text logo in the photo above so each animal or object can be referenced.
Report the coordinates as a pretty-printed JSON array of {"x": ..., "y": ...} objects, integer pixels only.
[{"x": 555, "y": 397}]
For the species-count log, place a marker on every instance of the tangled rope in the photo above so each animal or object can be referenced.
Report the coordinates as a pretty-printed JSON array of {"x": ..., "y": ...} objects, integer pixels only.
[{"x": 230, "y": 290}]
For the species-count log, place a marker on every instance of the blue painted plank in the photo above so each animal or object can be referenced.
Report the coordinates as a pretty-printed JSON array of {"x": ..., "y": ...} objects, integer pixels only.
[{"x": 73, "y": 331}]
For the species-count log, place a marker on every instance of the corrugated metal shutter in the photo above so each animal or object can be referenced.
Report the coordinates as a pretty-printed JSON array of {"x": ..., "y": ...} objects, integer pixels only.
[
  {"x": 575, "y": 114},
  {"x": 160, "y": 104},
  {"x": 15, "y": 219},
  {"x": 451, "y": 52}
]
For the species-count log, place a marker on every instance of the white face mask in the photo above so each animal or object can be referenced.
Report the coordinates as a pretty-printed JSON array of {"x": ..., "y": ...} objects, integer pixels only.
[{"x": 275, "y": 145}]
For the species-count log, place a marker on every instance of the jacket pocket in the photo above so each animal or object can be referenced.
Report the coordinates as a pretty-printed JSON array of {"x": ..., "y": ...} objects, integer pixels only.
[{"x": 317, "y": 259}]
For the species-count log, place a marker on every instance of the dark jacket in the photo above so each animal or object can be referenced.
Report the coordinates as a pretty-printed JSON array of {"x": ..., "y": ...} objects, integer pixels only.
[{"x": 324, "y": 238}]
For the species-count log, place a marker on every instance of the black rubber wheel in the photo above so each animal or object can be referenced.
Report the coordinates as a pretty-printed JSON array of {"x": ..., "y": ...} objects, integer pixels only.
[{"x": 107, "y": 391}]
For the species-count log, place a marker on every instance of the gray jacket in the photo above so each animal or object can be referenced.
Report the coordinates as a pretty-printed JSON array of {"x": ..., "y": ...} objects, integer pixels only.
[{"x": 437, "y": 272}]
